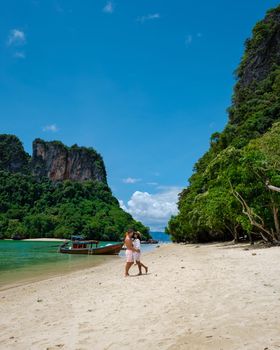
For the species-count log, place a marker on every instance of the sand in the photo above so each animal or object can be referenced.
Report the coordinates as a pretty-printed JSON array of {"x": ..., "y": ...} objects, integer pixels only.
[
  {"x": 44, "y": 239},
  {"x": 194, "y": 297}
]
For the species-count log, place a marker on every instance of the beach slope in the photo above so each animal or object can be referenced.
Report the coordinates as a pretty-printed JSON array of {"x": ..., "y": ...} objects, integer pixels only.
[{"x": 194, "y": 297}]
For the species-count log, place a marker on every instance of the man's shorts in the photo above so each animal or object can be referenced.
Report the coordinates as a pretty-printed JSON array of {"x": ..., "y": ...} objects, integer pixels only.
[{"x": 129, "y": 255}]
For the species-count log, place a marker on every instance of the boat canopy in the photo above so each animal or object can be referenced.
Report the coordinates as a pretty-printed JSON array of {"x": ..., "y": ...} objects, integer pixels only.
[
  {"x": 77, "y": 238},
  {"x": 85, "y": 242}
]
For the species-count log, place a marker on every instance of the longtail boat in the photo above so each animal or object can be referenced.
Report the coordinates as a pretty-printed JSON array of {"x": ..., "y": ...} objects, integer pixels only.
[{"x": 90, "y": 247}]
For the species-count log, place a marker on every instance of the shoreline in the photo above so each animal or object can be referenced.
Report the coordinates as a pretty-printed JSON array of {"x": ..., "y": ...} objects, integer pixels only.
[
  {"x": 37, "y": 240},
  {"x": 194, "y": 297},
  {"x": 32, "y": 261},
  {"x": 51, "y": 276},
  {"x": 41, "y": 271},
  {"x": 44, "y": 240}
]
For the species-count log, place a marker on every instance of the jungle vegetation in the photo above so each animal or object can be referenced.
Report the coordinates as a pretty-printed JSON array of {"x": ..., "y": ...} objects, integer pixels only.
[
  {"x": 229, "y": 194},
  {"x": 32, "y": 207}
]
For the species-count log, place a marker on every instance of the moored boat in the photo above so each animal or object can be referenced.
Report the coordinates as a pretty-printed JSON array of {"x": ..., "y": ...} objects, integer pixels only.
[{"x": 90, "y": 247}]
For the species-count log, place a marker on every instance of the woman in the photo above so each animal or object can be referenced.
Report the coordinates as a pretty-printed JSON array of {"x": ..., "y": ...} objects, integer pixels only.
[{"x": 137, "y": 252}]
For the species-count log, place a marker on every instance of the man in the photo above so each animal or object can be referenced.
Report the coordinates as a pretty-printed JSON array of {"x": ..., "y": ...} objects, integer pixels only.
[{"x": 129, "y": 251}]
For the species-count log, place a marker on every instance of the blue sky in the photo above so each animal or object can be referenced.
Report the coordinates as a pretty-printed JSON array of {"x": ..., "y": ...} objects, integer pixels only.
[{"x": 145, "y": 82}]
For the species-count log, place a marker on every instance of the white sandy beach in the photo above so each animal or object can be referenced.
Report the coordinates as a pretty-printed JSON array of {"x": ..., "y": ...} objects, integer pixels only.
[
  {"x": 194, "y": 297},
  {"x": 44, "y": 239}
]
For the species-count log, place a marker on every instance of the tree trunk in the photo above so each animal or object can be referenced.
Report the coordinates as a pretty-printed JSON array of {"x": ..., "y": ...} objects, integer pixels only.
[
  {"x": 273, "y": 188},
  {"x": 236, "y": 234},
  {"x": 254, "y": 219},
  {"x": 276, "y": 221}
]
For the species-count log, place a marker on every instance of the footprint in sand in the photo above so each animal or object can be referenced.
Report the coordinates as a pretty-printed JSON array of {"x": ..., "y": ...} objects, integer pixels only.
[
  {"x": 83, "y": 324},
  {"x": 58, "y": 346},
  {"x": 141, "y": 340}
]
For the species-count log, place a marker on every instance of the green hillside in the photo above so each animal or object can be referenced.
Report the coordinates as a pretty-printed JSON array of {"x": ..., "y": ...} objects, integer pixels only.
[
  {"x": 227, "y": 196},
  {"x": 33, "y": 207}
]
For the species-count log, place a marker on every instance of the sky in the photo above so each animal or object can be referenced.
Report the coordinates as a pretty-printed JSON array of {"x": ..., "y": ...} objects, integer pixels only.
[{"x": 144, "y": 82}]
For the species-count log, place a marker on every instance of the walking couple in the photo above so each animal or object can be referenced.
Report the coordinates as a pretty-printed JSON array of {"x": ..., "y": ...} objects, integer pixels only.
[{"x": 133, "y": 251}]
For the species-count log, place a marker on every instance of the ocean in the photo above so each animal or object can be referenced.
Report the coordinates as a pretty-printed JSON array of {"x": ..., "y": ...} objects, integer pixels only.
[
  {"x": 161, "y": 236},
  {"x": 27, "y": 261}
]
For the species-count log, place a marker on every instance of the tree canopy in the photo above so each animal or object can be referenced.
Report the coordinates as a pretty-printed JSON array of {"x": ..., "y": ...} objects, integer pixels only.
[{"x": 33, "y": 209}]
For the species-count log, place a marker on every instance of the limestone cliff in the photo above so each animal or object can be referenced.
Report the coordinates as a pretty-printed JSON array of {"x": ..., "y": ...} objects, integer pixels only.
[{"x": 58, "y": 162}]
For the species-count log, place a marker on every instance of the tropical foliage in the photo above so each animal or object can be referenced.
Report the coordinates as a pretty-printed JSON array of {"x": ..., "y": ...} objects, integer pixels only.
[
  {"x": 29, "y": 208},
  {"x": 228, "y": 194}
]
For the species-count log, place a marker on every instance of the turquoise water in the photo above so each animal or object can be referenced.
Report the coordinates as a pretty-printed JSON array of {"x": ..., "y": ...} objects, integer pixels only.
[
  {"x": 27, "y": 261},
  {"x": 23, "y": 261},
  {"x": 161, "y": 236}
]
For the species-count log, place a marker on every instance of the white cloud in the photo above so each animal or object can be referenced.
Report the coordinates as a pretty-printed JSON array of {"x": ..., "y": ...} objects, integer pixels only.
[
  {"x": 131, "y": 180},
  {"x": 16, "y": 37},
  {"x": 19, "y": 54},
  {"x": 109, "y": 7},
  {"x": 149, "y": 17},
  {"x": 154, "y": 210},
  {"x": 51, "y": 127}
]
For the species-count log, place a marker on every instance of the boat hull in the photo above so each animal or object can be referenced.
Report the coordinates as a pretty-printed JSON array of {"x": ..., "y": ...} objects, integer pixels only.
[{"x": 113, "y": 249}]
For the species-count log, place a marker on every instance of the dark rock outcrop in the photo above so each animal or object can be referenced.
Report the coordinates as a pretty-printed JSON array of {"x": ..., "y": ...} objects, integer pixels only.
[
  {"x": 58, "y": 162},
  {"x": 13, "y": 158},
  {"x": 262, "y": 50}
]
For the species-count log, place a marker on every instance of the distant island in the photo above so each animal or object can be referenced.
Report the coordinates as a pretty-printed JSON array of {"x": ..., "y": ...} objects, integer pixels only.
[
  {"x": 57, "y": 192},
  {"x": 229, "y": 194}
]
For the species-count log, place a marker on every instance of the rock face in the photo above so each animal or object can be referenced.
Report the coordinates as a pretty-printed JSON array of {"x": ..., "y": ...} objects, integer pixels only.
[
  {"x": 13, "y": 158},
  {"x": 58, "y": 162},
  {"x": 262, "y": 50},
  {"x": 53, "y": 160}
]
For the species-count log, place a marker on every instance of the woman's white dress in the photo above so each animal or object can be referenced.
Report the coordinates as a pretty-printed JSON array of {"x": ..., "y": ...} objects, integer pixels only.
[{"x": 136, "y": 245}]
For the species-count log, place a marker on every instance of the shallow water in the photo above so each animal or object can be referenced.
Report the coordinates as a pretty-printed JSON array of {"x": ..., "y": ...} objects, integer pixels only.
[{"x": 24, "y": 261}]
